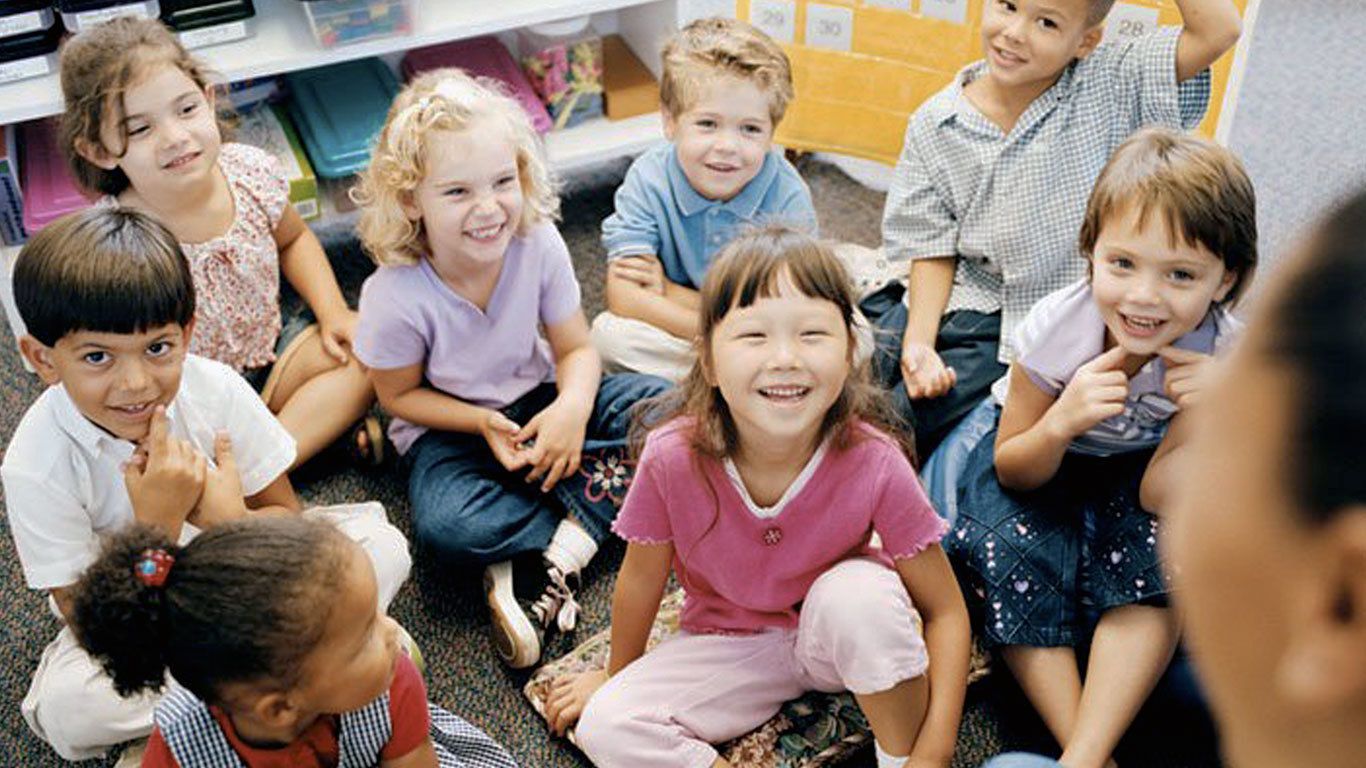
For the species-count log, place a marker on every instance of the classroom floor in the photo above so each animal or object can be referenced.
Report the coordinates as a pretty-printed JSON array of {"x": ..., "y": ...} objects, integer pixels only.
[{"x": 446, "y": 613}]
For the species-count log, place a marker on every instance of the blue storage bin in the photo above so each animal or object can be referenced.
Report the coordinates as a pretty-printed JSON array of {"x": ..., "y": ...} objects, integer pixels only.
[{"x": 339, "y": 109}]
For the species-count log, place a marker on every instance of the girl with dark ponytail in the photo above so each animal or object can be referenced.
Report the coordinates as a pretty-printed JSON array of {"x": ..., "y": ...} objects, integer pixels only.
[{"x": 279, "y": 655}]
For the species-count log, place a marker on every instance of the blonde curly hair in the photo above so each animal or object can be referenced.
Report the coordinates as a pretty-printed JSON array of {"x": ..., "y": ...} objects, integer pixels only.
[{"x": 441, "y": 100}]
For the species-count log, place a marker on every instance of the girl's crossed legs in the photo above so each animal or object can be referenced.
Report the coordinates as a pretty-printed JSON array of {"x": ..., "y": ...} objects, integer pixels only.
[{"x": 858, "y": 631}]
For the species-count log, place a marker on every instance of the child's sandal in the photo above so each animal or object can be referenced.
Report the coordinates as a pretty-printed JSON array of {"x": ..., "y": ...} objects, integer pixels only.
[{"x": 366, "y": 444}]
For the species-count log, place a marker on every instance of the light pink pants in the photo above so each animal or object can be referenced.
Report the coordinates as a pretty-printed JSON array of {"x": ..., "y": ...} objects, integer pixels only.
[{"x": 858, "y": 631}]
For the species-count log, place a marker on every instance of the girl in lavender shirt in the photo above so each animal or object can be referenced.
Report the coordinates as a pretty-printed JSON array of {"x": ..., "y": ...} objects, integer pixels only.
[
  {"x": 1055, "y": 505},
  {"x": 763, "y": 492},
  {"x": 515, "y": 447}
]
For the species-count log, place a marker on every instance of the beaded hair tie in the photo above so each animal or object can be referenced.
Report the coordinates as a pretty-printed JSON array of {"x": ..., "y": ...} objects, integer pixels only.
[{"x": 153, "y": 566}]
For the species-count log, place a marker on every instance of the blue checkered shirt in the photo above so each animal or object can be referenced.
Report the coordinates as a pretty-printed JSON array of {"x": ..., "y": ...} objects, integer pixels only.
[
  {"x": 196, "y": 741},
  {"x": 1010, "y": 205}
]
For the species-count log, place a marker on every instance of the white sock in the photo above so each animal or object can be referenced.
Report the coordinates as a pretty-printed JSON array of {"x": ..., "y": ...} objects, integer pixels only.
[
  {"x": 571, "y": 548},
  {"x": 885, "y": 760}
]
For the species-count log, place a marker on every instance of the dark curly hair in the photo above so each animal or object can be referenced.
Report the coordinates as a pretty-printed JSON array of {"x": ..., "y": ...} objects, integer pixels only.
[{"x": 244, "y": 602}]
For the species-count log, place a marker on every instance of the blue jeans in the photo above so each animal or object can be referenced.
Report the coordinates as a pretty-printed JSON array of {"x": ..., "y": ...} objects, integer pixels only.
[
  {"x": 967, "y": 342},
  {"x": 470, "y": 511},
  {"x": 944, "y": 469}
]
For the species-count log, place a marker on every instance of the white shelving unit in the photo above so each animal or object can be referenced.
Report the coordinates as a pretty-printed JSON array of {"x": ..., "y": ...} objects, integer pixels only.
[{"x": 283, "y": 42}]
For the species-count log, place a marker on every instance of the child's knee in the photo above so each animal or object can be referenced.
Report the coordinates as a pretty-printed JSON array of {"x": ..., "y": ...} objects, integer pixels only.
[
  {"x": 81, "y": 719},
  {"x": 386, "y": 546}
]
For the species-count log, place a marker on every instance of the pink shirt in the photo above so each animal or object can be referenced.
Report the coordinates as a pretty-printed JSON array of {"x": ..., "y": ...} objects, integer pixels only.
[
  {"x": 237, "y": 274},
  {"x": 744, "y": 573}
]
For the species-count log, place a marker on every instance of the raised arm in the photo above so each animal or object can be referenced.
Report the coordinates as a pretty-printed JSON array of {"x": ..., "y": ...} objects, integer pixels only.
[{"x": 1208, "y": 29}]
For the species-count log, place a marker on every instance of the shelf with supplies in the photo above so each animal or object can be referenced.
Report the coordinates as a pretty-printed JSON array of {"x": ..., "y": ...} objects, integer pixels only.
[{"x": 283, "y": 40}]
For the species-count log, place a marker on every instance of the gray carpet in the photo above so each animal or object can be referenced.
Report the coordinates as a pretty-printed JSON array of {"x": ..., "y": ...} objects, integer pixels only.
[{"x": 444, "y": 611}]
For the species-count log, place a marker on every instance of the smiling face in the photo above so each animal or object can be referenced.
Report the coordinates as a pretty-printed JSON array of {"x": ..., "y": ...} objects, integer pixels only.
[
  {"x": 721, "y": 139},
  {"x": 780, "y": 364},
  {"x": 1152, "y": 289},
  {"x": 115, "y": 379},
  {"x": 471, "y": 200},
  {"x": 169, "y": 134},
  {"x": 1028, "y": 43}
]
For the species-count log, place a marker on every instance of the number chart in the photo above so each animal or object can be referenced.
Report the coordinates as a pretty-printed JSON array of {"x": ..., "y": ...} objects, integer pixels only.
[{"x": 863, "y": 66}]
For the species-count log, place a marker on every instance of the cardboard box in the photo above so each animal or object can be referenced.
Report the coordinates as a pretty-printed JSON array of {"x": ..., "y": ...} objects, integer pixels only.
[
  {"x": 628, "y": 87},
  {"x": 270, "y": 129}
]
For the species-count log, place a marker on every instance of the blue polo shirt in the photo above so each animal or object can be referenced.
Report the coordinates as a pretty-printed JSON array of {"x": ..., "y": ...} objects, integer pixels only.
[{"x": 659, "y": 213}]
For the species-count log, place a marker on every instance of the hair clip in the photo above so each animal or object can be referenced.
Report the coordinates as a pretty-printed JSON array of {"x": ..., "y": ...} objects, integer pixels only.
[{"x": 153, "y": 566}]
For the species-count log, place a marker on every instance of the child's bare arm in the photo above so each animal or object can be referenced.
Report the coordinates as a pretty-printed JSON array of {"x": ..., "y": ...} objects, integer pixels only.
[
  {"x": 423, "y": 756},
  {"x": 1155, "y": 490},
  {"x": 664, "y": 304},
  {"x": 948, "y": 639},
  {"x": 403, "y": 393},
  {"x": 1036, "y": 428},
  {"x": 278, "y": 497},
  {"x": 635, "y": 603},
  {"x": 304, "y": 264},
  {"x": 922, "y": 370},
  {"x": 1209, "y": 28},
  {"x": 559, "y": 429}
]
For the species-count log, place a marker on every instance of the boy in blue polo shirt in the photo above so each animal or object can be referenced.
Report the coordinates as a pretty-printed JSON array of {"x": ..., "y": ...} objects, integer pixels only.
[{"x": 725, "y": 88}]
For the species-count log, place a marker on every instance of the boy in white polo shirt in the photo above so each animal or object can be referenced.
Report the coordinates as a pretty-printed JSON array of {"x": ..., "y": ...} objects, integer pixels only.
[{"x": 132, "y": 428}]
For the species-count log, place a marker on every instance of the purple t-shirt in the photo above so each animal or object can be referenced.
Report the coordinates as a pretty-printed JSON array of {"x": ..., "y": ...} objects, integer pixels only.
[
  {"x": 742, "y": 572},
  {"x": 408, "y": 315}
]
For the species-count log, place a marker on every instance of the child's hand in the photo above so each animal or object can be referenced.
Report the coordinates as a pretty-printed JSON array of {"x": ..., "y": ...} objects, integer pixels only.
[
  {"x": 337, "y": 331},
  {"x": 568, "y": 695},
  {"x": 221, "y": 500},
  {"x": 644, "y": 271},
  {"x": 1187, "y": 375},
  {"x": 558, "y": 431},
  {"x": 924, "y": 372},
  {"x": 165, "y": 477},
  {"x": 500, "y": 433},
  {"x": 1096, "y": 392}
]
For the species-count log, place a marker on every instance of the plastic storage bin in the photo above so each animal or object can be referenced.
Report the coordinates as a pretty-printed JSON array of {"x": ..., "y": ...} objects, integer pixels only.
[
  {"x": 83, "y": 14},
  {"x": 338, "y": 110},
  {"x": 22, "y": 17},
  {"x": 201, "y": 23},
  {"x": 339, "y": 22},
  {"x": 563, "y": 61},
  {"x": 49, "y": 192},
  {"x": 30, "y": 54},
  {"x": 485, "y": 57}
]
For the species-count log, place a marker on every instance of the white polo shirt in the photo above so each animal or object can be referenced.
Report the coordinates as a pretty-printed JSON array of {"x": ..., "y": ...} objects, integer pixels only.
[{"x": 63, "y": 475}]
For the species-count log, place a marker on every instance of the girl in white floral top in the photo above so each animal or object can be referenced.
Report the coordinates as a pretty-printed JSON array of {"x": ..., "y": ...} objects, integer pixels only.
[{"x": 140, "y": 127}]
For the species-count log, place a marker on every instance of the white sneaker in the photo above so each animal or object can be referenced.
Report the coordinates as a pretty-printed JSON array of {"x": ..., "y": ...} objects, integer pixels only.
[{"x": 514, "y": 636}]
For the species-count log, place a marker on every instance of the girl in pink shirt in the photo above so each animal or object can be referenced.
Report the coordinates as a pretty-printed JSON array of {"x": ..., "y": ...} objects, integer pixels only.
[{"x": 763, "y": 493}]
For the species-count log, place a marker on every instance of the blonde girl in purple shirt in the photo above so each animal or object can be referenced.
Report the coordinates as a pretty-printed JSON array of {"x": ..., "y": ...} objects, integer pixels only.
[
  {"x": 762, "y": 491},
  {"x": 513, "y": 440}
]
